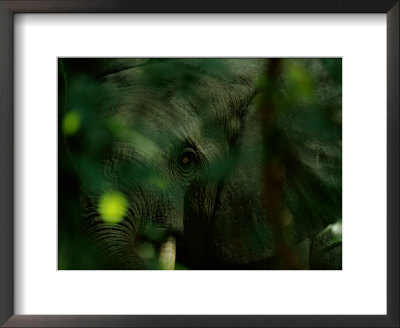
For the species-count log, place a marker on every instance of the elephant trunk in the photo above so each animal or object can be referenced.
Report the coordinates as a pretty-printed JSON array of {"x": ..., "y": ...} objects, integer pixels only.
[{"x": 168, "y": 254}]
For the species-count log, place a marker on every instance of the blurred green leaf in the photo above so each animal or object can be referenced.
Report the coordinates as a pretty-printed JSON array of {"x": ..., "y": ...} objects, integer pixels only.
[
  {"x": 112, "y": 207},
  {"x": 71, "y": 122}
]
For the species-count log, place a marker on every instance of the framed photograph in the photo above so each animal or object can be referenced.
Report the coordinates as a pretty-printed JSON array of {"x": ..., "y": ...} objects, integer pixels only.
[{"x": 204, "y": 164}]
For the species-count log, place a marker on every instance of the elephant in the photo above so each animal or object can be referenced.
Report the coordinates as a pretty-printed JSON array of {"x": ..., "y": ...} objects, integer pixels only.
[{"x": 174, "y": 160}]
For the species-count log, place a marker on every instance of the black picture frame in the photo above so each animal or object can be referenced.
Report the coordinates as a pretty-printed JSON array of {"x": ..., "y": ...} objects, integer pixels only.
[{"x": 7, "y": 11}]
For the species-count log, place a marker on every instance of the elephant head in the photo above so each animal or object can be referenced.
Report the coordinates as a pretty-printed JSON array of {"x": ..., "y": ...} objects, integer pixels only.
[{"x": 178, "y": 152}]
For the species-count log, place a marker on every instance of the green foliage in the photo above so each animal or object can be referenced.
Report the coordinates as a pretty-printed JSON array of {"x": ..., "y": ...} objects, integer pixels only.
[
  {"x": 71, "y": 122},
  {"x": 112, "y": 207}
]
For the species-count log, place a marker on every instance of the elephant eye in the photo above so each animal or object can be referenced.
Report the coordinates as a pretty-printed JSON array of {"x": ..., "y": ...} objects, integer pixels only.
[{"x": 187, "y": 160}]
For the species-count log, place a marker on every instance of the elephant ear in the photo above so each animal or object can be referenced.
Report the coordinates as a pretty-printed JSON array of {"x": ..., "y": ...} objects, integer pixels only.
[
  {"x": 240, "y": 233},
  {"x": 310, "y": 136}
]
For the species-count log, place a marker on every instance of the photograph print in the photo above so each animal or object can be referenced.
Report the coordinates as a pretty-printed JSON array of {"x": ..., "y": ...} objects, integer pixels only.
[{"x": 199, "y": 163}]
